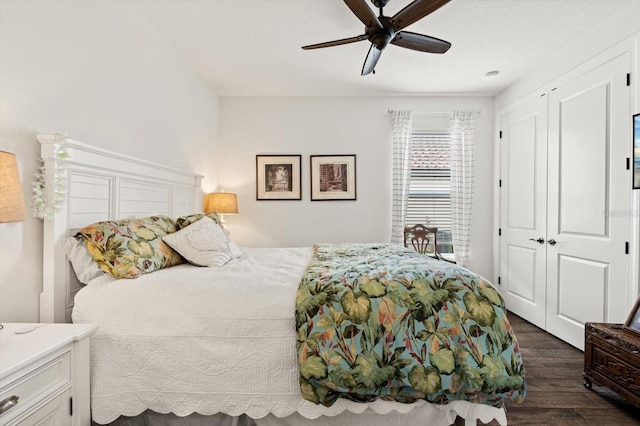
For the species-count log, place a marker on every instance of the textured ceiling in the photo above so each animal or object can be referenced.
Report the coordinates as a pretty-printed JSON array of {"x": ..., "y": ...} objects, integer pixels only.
[{"x": 253, "y": 47}]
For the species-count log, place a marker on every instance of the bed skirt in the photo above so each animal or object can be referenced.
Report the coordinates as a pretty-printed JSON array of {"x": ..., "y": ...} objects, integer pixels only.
[{"x": 420, "y": 416}]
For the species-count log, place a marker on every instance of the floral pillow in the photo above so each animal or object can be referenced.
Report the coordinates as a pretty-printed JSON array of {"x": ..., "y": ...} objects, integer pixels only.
[
  {"x": 203, "y": 243},
  {"x": 184, "y": 221},
  {"x": 85, "y": 268},
  {"x": 132, "y": 247}
]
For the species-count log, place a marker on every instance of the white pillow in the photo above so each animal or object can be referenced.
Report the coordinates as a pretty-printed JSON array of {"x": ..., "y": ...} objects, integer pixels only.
[
  {"x": 83, "y": 264},
  {"x": 203, "y": 243},
  {"x": 235, "y": 250}
]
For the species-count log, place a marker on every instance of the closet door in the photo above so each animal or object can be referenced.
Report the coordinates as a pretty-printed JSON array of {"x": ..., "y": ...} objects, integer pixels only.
[
  {"x": 589, "y": 141},
  {"x": 523, "y": 151}
]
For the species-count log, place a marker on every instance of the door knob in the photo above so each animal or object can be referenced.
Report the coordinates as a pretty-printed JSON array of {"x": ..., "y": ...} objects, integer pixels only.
[
  {"x": 540, "y": 240},
  {"x": 552, "y": 242}
]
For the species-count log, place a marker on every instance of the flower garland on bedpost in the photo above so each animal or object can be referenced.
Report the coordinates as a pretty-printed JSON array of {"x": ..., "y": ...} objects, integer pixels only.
[{"x": 43, "y": 207}]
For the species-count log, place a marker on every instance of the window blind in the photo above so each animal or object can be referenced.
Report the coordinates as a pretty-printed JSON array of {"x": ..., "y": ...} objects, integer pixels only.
[{"x": 429, "y": 189}]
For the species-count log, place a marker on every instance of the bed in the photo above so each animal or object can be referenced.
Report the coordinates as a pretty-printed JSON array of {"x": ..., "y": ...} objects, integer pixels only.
[{"x": 272, "y": 336}]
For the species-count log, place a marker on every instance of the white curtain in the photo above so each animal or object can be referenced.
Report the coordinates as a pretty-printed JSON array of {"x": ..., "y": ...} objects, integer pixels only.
[
  {"x": 401, "y": 172},
  {"x": 462, "y": 179}
]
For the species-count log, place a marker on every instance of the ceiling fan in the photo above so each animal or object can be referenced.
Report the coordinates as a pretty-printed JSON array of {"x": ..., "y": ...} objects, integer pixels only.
[{"x": 383, "y": 30}]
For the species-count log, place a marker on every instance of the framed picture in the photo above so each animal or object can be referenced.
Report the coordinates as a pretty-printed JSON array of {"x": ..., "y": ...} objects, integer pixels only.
[
  {"x": 333, "y": 177},
  {"x": 633, "y": 322},
  {"x": 278, "y": 177},
  {"x": 636, "y": 151}
]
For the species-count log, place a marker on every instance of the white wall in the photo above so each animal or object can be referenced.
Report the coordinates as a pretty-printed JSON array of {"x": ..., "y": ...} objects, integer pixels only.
[
  {"x": 568, "y": 55},
  {"x": 101, "y": 74},
  {"x": 348, "y": 125}
]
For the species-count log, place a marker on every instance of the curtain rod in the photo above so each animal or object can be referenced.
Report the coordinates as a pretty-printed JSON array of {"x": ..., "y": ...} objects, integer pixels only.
[{"x": 477, "y": 111}]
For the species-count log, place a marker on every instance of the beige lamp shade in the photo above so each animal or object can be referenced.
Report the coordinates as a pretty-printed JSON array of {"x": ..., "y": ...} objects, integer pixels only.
[
  {"x": 12, "y": 207},
  {"x": 221, "y": 203}
]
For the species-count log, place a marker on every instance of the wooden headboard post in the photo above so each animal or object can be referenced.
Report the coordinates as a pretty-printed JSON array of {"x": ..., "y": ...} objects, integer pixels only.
[{"x": 100, "y": 185}]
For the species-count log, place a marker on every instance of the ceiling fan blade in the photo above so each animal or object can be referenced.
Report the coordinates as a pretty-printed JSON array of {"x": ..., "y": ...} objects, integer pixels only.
[
  {"x": 421, "y": 42},
  {"x": 336, "y": 42},
  {"x": 364, "y": 13},
  {"x": 415, "y": 11},
  {"x": 372, "y": 59}
]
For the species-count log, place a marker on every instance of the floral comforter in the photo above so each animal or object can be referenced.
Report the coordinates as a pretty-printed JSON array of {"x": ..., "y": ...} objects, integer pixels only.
[{"x": 380, "y": 321}]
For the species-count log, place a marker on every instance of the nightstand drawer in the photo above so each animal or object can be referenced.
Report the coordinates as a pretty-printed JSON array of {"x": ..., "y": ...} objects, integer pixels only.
[{"x": 36, "y": 385}]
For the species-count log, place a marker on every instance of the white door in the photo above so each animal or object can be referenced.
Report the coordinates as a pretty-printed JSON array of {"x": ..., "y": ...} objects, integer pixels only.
[
  {"x": 523, "y": 151},
  {"x": 589, "y": 142}
]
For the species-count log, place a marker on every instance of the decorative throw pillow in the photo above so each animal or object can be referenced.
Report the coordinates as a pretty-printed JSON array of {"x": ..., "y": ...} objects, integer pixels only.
[
  {"x": 203, "y": 243},
  {"x": 82, "y": 263},
  {"x": 132, "y": 247},
  {"x": 184, "y": 221},
  {"x": 235, "y": 250}
]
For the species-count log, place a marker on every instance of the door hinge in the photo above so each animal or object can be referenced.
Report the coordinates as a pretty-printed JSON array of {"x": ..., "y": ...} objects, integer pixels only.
[
  {"x": 71, "y": 406},
  {"x": 628, "y": 163},
  {"x": 499, "y": 232},
  {"x": 626, "y": 247},
  {"x": 499, "y": 280},
  {"x": 628, "y": 79},
  {"x": 500, "y": 183},
  {"x": 500, "y": 134}
]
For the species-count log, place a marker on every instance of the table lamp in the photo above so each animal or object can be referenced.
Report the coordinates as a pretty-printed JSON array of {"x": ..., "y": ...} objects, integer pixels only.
[
  {"x": 221, "y": 203},
  {"x": 12, "y": 208}
]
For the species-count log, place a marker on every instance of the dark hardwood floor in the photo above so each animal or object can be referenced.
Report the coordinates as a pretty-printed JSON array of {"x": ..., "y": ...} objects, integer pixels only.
[{"x": 555, "y": 392}]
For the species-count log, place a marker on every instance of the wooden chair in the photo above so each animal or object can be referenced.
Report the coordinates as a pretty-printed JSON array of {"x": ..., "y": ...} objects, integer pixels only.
[{"x": 424, "y": 240}]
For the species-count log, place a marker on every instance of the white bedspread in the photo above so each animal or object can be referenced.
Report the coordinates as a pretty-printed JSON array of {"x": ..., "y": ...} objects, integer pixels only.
[{"x": 188, "y": 339}]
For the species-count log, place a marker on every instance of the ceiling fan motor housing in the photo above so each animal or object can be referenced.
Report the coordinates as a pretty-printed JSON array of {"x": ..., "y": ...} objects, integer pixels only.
[
  {"x": 379, "y": 3},
  {"x": 381, "y": 37}
]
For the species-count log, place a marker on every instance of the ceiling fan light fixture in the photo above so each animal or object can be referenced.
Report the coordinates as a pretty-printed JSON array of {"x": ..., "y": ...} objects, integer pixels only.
[
  {"x": 491, "y": 75},
  {"x": 381, "y": 40}
]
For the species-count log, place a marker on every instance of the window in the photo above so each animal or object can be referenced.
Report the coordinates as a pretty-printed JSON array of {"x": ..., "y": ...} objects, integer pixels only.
[{"x": 429, "y": 188}]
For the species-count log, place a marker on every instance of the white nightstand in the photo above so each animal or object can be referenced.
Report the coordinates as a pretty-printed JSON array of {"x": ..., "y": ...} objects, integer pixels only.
[{"x": 45, "y": 372}]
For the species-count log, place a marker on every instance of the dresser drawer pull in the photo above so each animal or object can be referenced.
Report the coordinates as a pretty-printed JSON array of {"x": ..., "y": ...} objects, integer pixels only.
[{"x": 8, "y": 403}]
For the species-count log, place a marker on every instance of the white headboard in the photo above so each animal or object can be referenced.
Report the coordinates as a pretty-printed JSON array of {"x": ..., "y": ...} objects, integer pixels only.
[{"x": 101, "y": 185}]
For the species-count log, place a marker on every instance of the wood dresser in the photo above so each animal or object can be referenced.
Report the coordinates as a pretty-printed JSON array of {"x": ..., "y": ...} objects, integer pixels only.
[{"x": 612, "y": 359}]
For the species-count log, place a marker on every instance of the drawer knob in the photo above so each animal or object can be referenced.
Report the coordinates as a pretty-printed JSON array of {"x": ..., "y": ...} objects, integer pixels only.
[{"x": 8, "y": 403}]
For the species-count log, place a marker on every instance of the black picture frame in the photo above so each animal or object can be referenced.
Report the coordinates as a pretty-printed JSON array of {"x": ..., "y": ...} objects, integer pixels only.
[
  {"x": 636, "y": 152},
  {"x": 278, "y": 177},
  {"x": 633, "y": 321},
  {"x": 333, "y": 177}
]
